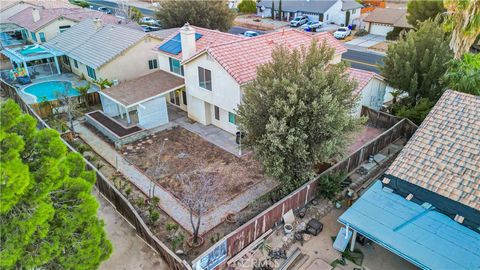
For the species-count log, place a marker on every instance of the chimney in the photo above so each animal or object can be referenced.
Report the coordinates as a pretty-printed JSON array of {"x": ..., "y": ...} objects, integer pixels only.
[
  {"x": 187, "y": 37},
  {"x": 35, "y": 15},
  {"x": 98, "y": 23}
]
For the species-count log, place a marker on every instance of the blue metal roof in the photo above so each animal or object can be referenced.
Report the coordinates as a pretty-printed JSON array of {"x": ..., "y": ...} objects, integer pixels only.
[
  {"x": 425, "y": 237},
  {"x": 174, "y": 45}
]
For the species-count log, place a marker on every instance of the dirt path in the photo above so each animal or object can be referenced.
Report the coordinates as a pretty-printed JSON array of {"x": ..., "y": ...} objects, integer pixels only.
[{"x": 129, "y": 251}]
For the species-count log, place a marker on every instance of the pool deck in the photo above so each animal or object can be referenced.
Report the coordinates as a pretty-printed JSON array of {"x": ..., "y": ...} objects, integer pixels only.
[{"x": 70, "y": 77}]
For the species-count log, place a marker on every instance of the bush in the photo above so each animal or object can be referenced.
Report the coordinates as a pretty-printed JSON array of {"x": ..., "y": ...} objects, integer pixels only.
[
  {"x": 394, "y": 34},
  {"x": 361, "y": 32},
  {"x": 415, "y": 114},
  {"x": 80, "y": 3},
  {"x": 247, "y": 6},
  {"x": 329, "y": 186}
]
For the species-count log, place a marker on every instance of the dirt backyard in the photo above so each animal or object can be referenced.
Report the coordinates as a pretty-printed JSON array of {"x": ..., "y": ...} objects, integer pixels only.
[{"x": 167, "y": 154}]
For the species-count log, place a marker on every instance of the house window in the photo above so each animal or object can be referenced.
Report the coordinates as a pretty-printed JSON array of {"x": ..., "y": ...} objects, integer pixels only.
[
  {"x": 205, "y": 78},
  {"x": 232, "y": 118},
  {"x": 91, "y": 73},
  {"x": 217, "y": 113},
  {"x": 153, "y": 64},
  {"x": 64, "y": 28},
  {"x": 184, "y": 96},
  {"x": 42, "y": 37},
  {"x": 326, "y": 18},
  {"x": 34, "y": 37},
  {"x": 75, "y": 63},
  {"x": 66, "y": 60},
  {"x": 175, "y": 66}
]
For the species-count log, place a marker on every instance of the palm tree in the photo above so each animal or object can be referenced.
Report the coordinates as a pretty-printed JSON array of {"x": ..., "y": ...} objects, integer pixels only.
[
  {"x": 463, "y": 20},
  {"x": 83, "y": 90}
]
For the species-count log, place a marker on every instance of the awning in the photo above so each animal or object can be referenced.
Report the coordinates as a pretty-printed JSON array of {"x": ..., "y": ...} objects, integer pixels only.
[
  {"x": 145, "y": 88},
  {"x": 421, "y": 235}
]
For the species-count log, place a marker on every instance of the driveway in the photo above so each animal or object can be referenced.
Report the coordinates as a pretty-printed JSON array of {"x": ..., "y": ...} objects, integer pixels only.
[{"x": 366, "y": 41}]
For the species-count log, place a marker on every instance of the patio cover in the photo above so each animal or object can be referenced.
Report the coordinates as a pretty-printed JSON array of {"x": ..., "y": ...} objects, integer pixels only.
[
  {"x": 42, "y": 53},
  {"x": 145, "y": 88},
  {"x": 424, "y": 237}
]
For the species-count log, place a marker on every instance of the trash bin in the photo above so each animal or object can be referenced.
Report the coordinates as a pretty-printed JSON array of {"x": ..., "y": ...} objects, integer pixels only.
[{"x": 238, "y": 134}]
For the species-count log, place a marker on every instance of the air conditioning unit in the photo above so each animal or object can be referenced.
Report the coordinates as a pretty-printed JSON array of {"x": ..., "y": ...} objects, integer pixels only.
[{"x": 115, "y": 82}]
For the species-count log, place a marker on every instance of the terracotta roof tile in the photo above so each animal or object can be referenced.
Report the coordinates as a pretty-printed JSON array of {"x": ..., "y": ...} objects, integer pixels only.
[
  {"x": 443, "y": 155},
  {"x": 241, "y": 58},
  {"x": 362, "y": 77}
]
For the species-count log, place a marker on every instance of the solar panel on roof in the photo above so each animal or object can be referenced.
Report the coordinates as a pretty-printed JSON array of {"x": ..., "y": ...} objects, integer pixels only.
[{"x": 174, "y": 45}]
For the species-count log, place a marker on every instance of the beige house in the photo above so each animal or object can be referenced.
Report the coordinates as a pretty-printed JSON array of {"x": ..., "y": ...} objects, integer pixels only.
[
  {"x": 8, "y": 8},
  {"x": 98, "y": 50},
  {"x": 41, "y": 24}
]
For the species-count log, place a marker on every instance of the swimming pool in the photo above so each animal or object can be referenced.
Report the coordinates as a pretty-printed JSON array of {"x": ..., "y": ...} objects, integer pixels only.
[{"x": 47, "y": 91}]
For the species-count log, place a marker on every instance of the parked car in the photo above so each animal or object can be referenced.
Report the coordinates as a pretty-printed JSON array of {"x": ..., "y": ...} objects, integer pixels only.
[
  {"x": 148, "y": 20},
  {"x": 105, "y": 10},
  {"x": 298, "y": 21},
  {"x": 250, "y": 34},
  {"x": 342, "y": 32},
  {"x": 312, "y": 25},
  {"x": 149, "y": 28}
]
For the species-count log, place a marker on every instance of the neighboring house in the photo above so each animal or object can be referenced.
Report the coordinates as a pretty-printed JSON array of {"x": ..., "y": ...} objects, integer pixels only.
[
  {"x": 8, "y": 8},
  {"x": 327, "y": 11},
  {"x": 100, "y": 50},
  {"x": 426, "y": 209},
  {"x": 383, "y": 20},
  {"x": 371, "y": 89},
  {"x": 41, "y": 25}
]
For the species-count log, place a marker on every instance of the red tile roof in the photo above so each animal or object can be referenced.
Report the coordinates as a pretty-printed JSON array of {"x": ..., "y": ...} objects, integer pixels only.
[
  {"x": 242, "y": 57},
  {"x": 443, "y": 155},
  {"x": 209, "y": 38},
  {"x": 362, "y": 77},
  {"x": 24, "y": 18}
]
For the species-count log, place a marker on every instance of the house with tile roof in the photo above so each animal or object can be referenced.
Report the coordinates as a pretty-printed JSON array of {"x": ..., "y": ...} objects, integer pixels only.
[
  {"x": 203, "y": 71},
  {"x": 327, "y": 11},
  {"x": 8, "y": 8},
  {"x": 380, "y": 21},
  {"x": 42, "y": 24},
  {"x": 100, "y": 49},
  {"x": 426, "y": 208},
  {"x": 370, "y": 91}
]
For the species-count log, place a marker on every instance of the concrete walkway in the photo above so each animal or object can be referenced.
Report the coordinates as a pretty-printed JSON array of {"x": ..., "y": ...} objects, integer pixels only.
[{"x": 168, "y": 202}]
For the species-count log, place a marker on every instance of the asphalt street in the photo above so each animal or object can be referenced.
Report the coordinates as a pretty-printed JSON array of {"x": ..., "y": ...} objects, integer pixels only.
[
  {"x": 363, "y": 60},
  {"x": 113, "y": 6}
]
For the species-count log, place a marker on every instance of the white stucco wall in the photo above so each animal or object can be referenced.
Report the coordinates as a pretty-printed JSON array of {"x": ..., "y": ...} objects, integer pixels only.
[
  {"x": 153, "y": 113},
  {"x": 372, "y": 95},
  {"x": 225, "y": 93}
]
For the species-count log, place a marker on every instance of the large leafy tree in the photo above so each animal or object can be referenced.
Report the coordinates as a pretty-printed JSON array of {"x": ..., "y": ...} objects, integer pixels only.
[
  {"x": 213, "y": 14},
  {"x": 464, "y": 74},
  {"x": 463, "y": 21},
  {"x": 422, "y": 10},
  {"x": 247, "y": 6},
  {"x": 297, "y": 112},
  {"x": 417, "y": 62},
  {"x": 48, "y": 217}
]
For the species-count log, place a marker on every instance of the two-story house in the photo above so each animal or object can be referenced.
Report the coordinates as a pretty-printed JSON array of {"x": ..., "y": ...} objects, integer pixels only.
[
  {"x": 41, "y": 24},
  {"x": 97, "y": 50}
]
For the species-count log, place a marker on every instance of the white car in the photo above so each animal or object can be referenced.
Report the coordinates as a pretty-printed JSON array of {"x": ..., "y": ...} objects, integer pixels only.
[
  {"x": 298, "y": 21},
  {"x": 148, "y": 20},
  {"x": 342, "y": 33},
  {"x": 312, "y": 25}
]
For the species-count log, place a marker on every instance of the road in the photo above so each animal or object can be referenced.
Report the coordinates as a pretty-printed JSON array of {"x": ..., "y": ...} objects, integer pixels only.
[
  {"x": 237, "y": 30},
  {"x": 113, "y": 6},
  {"x": 363, "y": 60}
]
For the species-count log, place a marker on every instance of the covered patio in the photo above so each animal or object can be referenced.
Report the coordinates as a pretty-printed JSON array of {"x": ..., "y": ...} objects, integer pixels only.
[
  {"x": 32, "y": 61},
  {"x": 12, "y": 35},
  {"x": 417, "y": 233}
]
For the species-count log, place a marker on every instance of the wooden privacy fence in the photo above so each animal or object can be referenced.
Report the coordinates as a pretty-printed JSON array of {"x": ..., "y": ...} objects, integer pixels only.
[
  {"x": 121, "y": 204},
  {"x": 237, "y": 240}
]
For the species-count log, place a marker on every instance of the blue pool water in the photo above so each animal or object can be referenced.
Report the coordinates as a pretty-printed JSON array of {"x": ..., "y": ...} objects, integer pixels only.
[{"x": 49, "y": 90}]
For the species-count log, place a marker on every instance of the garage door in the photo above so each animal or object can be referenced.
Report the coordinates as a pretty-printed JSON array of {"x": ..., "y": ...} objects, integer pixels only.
[{"x": 380, "y": 29}]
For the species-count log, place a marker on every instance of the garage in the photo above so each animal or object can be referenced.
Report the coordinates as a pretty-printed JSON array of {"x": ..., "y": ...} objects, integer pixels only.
[{"x": 380, "y": 29}]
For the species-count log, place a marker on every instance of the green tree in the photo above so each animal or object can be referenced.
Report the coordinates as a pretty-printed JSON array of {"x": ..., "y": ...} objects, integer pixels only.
[
  {"x": 417, "y": 62},
  {"x": 208, "y": 14},
  {"x": 422, "y": 10},
  {"x": 247, "y": 6},
  {"x": 280, "y": 15},
  {"x": 135, "y": 14},
  {"x": 272, "y": 10},
  {"x": 464, "y": 74},
  {"x": 48, "y": 217},
  {"x": 416, "y": 113},
  {"x": 463, "y": 21},
  {"x": 297, "y": 113}
]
